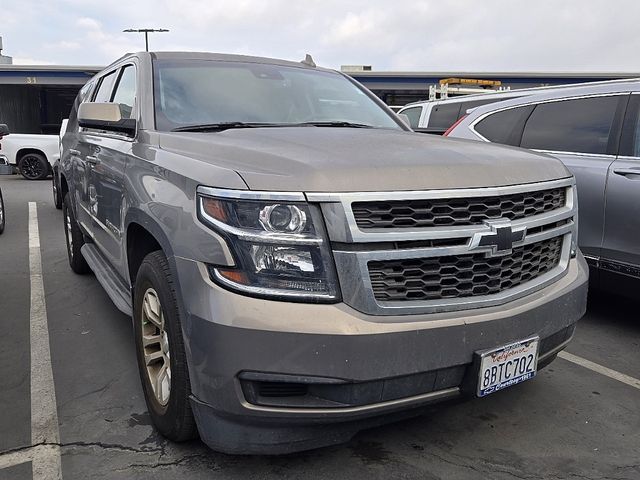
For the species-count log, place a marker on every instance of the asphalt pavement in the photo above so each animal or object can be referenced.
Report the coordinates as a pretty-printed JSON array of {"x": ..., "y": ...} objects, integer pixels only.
[{"x": 569, "y": 423}]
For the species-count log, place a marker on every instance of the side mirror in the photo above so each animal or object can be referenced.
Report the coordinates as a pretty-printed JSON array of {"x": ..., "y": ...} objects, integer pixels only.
[
  {"x": 4, "y": 130},
  {"x": 105, "y": 116},
  {"x": 405, "y": 119}
]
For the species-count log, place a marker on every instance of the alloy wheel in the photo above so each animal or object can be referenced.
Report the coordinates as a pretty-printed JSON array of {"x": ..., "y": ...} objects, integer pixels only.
[
  {"x": 155, "y": 345},
  {"x": 31, "y": 167}
]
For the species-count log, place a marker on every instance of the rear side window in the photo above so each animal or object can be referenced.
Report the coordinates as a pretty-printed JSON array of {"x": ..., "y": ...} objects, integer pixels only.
[
  {"x": 125, "y": 94},
  {"x": 580, "y": 125},
  {"x": 505, "y": 126},
  {"x": 103, "y": 94},
  {"x": 414, "y": 115},
  {"x": 444, "y": 115}
]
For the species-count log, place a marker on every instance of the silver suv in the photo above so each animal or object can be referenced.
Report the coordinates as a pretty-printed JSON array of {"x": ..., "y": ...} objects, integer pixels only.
[
  {"x": 297, "y": 263},
  {"x": 594, "y": 130}
]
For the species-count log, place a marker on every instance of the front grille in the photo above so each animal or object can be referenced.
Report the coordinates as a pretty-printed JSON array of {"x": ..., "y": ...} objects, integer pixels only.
[
  {"x": 455, "y": 211},
  {"x": 456, "y": 276}
]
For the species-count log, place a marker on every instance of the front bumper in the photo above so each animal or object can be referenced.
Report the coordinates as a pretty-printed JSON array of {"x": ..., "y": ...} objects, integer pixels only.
[{"x": 389, "y": 366}]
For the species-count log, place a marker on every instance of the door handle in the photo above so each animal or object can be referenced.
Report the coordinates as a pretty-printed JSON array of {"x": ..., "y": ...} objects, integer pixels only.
[
  {"x": 92, "y": 160},
  {"x": 74, "y": 152},
  {"x": 626, "y": 172}
]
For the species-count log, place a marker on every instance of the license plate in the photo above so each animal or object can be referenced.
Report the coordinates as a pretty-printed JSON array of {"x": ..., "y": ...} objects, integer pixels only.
[{"x": 507, "y": 366}]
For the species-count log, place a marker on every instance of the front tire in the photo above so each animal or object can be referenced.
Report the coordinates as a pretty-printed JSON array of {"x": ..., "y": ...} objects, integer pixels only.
[
  {"x": 74, "y": 238},
  {"x": 2, "y": 217},
  {"x": 57, "y": 195},
  {"x": 160, "y": 350},
  {"x": 33, "y": 166}
]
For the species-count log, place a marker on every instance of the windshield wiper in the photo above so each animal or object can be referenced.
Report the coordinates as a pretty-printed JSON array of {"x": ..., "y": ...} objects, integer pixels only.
[
  {"x": 218, "y": 127},
  {"x": 337, "y": 124}
]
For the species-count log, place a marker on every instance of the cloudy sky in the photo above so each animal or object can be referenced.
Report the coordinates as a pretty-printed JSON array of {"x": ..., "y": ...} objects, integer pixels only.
[{"x": 460, "y": 35}]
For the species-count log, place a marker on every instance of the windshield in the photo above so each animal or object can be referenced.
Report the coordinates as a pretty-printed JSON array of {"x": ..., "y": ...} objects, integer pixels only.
[{"x": 203, "y": 92}]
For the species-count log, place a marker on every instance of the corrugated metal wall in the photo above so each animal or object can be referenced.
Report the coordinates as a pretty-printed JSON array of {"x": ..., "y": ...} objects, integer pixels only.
[{"x": 20, "y": 108}]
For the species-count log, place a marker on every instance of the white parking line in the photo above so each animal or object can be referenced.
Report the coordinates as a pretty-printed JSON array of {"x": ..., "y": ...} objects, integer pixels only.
[
  {"x": 583, "y": 362},
  {"x": 44, "y": 412}
]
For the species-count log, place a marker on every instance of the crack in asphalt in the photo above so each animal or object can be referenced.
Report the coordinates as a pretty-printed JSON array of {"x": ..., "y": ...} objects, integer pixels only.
[
  {"x": 102, "y": 445},
  {"x": 462, "y": 462}
]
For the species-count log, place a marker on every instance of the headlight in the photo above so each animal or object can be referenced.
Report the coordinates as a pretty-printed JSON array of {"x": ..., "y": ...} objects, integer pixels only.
[{"x": 277, "y": 241}]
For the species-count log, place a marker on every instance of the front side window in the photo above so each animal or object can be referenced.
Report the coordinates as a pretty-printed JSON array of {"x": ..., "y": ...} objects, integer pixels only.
[
  {"x": 414, "y": 115},
  {"x": 125, "y": 94},
  {"x": 201, "y": 92},
  {"x": 103, "y": 94},
  {"x": 581, "y": 125}
]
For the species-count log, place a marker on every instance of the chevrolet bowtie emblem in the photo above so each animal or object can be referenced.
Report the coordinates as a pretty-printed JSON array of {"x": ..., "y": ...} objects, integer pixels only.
[{"x": 500, "y": 238}]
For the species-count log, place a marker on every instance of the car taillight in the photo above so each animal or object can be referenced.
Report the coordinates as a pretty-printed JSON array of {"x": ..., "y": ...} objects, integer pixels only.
[{"x": 446, "y": 134}]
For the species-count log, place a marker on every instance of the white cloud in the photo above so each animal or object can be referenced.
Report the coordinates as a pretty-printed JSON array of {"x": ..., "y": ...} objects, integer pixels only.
[
  {"x": 88, "y": 23},
  {"x": 572, "y": 35}
]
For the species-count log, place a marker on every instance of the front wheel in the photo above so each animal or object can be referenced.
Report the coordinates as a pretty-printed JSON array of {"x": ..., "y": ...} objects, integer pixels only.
[
  {"x": 33, "y": 166},
  {"x": 160, "y": 350},
  {"x": 74, "y": 238}
]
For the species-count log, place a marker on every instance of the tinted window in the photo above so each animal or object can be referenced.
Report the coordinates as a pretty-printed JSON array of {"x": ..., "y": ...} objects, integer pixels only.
[
  {"x": 414, "y": 115},
  {"x": 125, "y": 94},
  {"x": 192, "y": 92},
  {"x": 104, "y": 90},
  {"x": 580, "y": 125},
  {"x": 505, "y": 126},
  {"x": 444, "y": 115}
]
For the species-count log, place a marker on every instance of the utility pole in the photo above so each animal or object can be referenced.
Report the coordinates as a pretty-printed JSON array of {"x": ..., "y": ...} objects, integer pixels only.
[{"x": 146, "y": 32}]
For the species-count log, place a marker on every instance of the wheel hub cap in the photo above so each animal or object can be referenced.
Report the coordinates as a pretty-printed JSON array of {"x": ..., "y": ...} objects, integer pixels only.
[{"x": 155, "y": 345}]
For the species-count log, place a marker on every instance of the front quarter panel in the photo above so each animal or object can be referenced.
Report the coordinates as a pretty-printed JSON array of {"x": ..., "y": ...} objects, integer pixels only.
[{"x": 161, "y": 196}]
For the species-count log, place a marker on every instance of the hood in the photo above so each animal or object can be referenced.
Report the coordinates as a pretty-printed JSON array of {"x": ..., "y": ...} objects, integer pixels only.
[{"x": 314, "y": 159}]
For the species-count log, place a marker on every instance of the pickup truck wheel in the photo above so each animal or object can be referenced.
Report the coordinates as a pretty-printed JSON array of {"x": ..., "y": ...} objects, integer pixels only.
[
  {"x": 57, "y": 196},
  {"x": 160, "y": 350},
  {"x": 74, "y": 238},
  {"x": 1, "y": 213},
  {"x": 33, "y": 166}
]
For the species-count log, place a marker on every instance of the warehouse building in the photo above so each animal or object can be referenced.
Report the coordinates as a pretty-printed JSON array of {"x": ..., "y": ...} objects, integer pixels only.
[{"x": 35, "y": 99}]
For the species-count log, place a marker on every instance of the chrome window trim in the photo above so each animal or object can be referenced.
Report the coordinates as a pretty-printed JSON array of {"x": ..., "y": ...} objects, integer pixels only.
[
  {"x": 342, "y": 226},
  {"x": 574, "y": 154}
]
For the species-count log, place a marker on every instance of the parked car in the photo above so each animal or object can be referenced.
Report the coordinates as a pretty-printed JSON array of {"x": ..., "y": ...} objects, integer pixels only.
[
  {"x": 594, "y": 130},
  {"x": 32, "y": 155},
  {"x": 436, "y": 116},
  {"x": 297, "y": 263}
]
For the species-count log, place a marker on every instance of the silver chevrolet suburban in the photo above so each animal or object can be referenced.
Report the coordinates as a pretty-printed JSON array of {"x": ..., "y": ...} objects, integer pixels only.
[{"x": 299, "y": 264}]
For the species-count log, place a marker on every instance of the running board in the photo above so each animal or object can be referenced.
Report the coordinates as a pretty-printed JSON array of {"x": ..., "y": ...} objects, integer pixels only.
[{"x": 108, "y": 278}]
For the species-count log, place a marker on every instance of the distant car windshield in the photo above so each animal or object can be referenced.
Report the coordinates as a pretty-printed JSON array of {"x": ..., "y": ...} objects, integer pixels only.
[{"x": 202, "y": 92}]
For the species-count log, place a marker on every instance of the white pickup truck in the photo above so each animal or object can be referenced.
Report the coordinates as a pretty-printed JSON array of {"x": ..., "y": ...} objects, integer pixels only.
[{"x": 33, "y": 155}]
